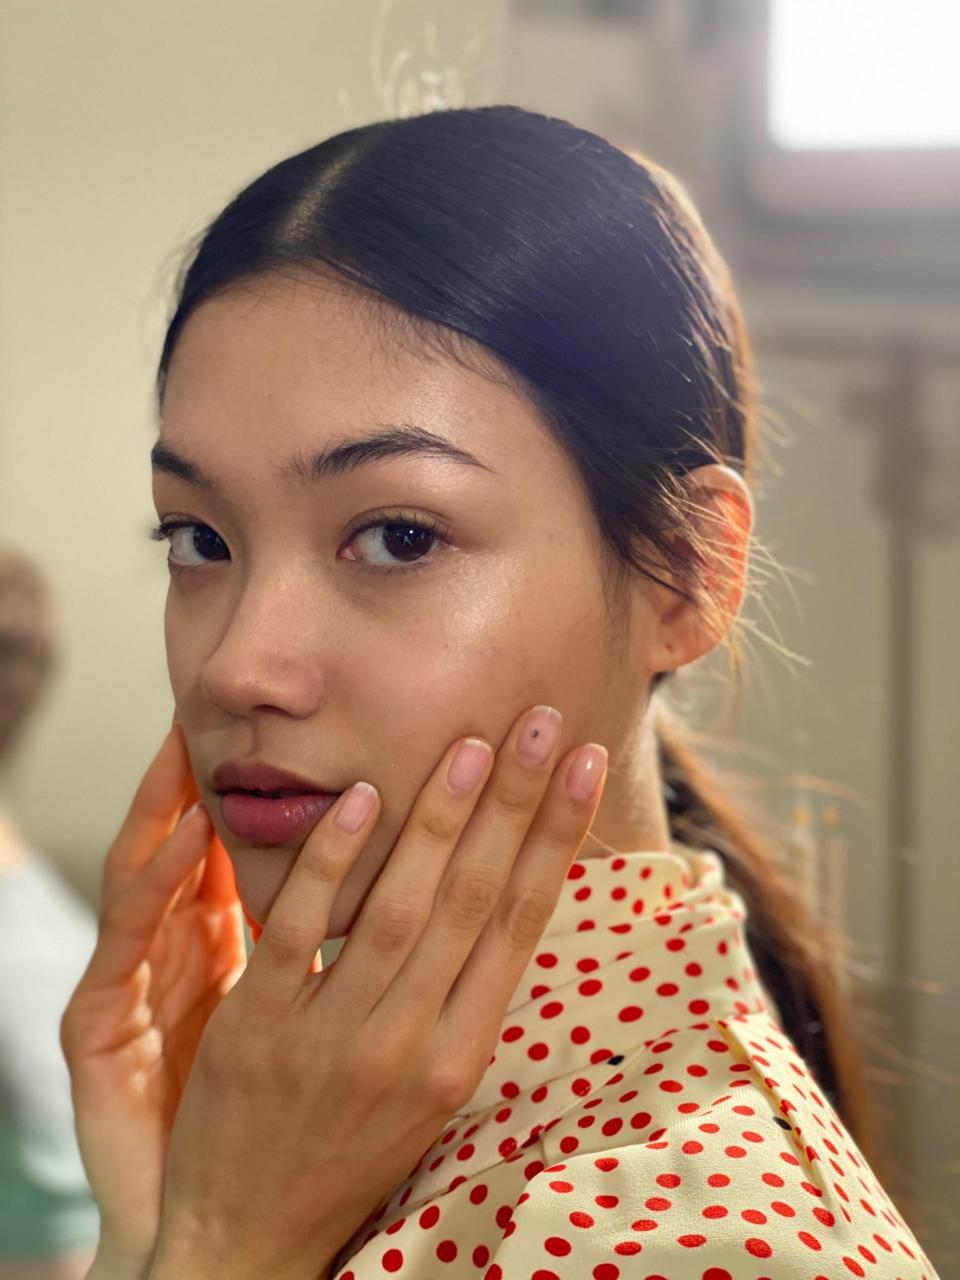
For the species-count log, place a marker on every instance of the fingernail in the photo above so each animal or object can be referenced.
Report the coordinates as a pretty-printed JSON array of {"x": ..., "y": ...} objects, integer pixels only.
[
  {"x": 586, "y": 771},
  {"x": 538, "y": 735},
  {"x": 188, "y": 813},
  {"x": 467, "y": 766},
  {"x": 355, "y": 809}
]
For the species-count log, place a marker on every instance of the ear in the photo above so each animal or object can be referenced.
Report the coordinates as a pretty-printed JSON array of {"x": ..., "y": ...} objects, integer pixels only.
[{"x": 721, "y": 510}]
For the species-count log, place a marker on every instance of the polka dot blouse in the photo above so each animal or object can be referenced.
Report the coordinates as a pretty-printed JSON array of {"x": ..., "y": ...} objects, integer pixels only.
[{"x": 644, "y": 1116}]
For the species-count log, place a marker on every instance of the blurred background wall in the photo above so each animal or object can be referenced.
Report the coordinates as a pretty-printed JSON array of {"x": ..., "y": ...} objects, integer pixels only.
[{"x": 123, "y": 128}]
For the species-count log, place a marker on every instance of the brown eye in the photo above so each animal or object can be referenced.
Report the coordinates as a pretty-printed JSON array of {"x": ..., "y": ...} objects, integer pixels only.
[
  {"x": 397, "y": 544},
  {"x": 192, "y": 545}
]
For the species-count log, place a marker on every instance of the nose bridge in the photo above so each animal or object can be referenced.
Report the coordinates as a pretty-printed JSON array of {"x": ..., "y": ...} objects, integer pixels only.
[{"x": 268, "y": 650}]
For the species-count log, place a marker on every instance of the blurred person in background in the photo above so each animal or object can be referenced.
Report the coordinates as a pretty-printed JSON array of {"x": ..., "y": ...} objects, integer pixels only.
[{"x": 49, "y": 1222}]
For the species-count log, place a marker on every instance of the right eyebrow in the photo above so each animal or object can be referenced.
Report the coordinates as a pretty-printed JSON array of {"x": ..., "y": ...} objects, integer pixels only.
[{"x": 390, "y": 440}]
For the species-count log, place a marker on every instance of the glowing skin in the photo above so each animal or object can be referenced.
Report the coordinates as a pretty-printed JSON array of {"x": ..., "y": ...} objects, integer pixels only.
[{"x": 296, "y": 652}]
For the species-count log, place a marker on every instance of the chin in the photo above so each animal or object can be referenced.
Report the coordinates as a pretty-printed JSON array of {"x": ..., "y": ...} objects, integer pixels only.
[{"x": 261, "y": 874}]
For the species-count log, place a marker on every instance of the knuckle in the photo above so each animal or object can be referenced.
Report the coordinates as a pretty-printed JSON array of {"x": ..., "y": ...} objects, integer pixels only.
[
  {"x": 469, "y": 899},
  {"x": 513, "y": 795},
  {"x": 525, "y": 915},
  {"x": 282, "y": 944},
  {"x": 448, "y": 1087},
  {"x": 439, "y": 824},
  {"x": 393, "y": 926}
]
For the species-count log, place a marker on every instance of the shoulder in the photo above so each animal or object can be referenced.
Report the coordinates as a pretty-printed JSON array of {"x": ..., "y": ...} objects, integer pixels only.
[{"x": 718, "y": 1157}]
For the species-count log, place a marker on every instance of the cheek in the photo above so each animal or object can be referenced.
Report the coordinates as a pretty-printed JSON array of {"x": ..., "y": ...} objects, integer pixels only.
[{"x": 185, "y": 646}]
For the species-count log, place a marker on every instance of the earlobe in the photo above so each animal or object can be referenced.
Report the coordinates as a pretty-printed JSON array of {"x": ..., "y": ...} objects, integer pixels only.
[{"x": 721, "y": 510}]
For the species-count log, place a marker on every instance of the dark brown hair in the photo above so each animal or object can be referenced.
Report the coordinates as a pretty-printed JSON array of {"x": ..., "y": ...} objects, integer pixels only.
[{"x": 588, "y": 274}]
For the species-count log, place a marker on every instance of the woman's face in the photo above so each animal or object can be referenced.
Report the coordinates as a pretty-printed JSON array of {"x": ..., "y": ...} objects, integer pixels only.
[{"x": 297, "y": 640}]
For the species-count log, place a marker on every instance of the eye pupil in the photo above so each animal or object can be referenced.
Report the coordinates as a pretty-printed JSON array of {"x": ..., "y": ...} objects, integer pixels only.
[
  {"x": 409, "y": 543},
  {"x": 206, "y": 543}
]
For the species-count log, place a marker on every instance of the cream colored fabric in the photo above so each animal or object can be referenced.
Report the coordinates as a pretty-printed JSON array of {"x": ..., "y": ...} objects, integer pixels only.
[{"x": 644, "y": 1115}]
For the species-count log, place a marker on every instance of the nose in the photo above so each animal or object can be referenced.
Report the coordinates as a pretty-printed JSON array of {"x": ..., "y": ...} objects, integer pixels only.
[{"x": 268, "y": 655}]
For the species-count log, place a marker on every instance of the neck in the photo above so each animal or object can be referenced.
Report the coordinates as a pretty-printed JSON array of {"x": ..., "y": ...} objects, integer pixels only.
[{"x": 633, "y": 815}]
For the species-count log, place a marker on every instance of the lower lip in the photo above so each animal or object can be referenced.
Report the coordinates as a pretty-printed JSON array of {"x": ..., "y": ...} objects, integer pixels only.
[{"x": 264, "y": 821}]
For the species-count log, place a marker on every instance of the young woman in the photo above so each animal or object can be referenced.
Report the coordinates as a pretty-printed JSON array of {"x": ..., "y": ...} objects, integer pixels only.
[{"x": 456, "y": 428}]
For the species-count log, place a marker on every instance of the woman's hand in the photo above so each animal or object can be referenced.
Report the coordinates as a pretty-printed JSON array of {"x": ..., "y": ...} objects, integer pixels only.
[
  {"x": 313, "y": 1095},
  {"x": 170, "y": 946}
]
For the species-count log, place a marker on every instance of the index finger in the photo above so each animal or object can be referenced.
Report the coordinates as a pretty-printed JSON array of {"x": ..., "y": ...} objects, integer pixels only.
[{"x": 165, "y": 791}]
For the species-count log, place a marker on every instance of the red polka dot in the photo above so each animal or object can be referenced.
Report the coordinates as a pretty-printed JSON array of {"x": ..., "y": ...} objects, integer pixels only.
[
  {"x": 606, "y": 1163},
  {"x": 478, "y": 1193},
  {"x": 429, "y": 1217},
  {"x": 580, "y": 1219},
  {"x": 538, "y": 1051},
  {"x": 759, "y": 1248},
  {"x": 511, "y": 1034},
  {"x": 753, "y": 1215},
  {"x": 735, "y": 1153},
  {"x": 494, "y": 1272},
  {"x": 606, "y": 1271},
  {"x": 667, "y": 989},
  {"x": 576, "y": 871},
  {"x": 631, "y": 1013},
  {"x": 810, "y": 1241},
  {"x": 718, "y": 1180},
  {"x": 607, "y": 1202},
  {"x": 626, "y": 1248},
  {"x": 580, "y": 1035},
  {"x": 557, "y": 1246},
  {"x": 638, "y": 974},
  {"x": 392, "y": 1260},
  {"x": 691, "y": 1148},
  {"x": 691, "y": 1241},
  {"x": 640, "y": 1120},
  {"x": 717, "y": 1273},
  {"x": 715, "y": 1211},
  {"x": 855, "y": 1267},
  {"x": 551, "y": 1009},
  {"x": 590, "y": 987},
  {"x": 698, "y": 1006},
  {"x": 561, "y": 1186},
  {"x": 546, "y": 960},
  {"x": 668, "y": 1179}
]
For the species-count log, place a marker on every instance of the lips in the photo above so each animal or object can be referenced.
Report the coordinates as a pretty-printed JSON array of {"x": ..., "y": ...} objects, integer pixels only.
[{"x": 262, "y": 804}]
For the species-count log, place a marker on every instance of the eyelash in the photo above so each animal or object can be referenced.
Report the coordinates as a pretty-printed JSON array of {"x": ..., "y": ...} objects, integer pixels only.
[{"x": 166, "y": 528}]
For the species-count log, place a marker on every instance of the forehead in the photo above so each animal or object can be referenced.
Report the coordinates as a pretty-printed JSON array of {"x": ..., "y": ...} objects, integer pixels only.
[{"x": 298, "y": 356}]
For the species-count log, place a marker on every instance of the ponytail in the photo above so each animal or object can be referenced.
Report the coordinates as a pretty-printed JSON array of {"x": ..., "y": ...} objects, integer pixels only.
[{"x": 791, "y": 949}]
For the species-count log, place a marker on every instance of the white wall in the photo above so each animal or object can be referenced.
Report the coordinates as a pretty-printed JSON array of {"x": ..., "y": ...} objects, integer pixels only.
[{"x": 123, "y": 128}]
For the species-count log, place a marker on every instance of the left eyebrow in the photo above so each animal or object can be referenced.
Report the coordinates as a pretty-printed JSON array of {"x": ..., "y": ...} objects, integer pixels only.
[{"x": 390, "y": 440}]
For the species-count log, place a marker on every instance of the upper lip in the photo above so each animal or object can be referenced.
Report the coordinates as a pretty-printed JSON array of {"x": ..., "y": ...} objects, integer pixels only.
[{"x": 253, "y": 775}]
